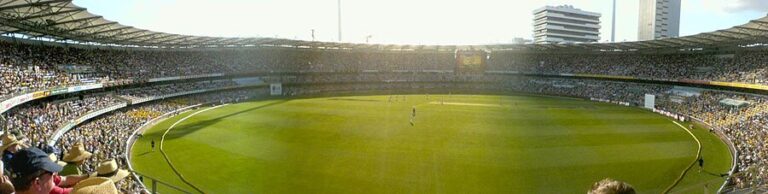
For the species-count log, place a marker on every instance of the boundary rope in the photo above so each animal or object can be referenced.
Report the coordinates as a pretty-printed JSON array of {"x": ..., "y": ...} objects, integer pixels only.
[
  {"x": 168, "y": 160},
  {"x": 698, "y": 155}
]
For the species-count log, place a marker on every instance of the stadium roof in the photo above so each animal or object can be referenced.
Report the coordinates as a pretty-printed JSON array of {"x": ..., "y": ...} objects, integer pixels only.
[{"x": 62, "y": 21}]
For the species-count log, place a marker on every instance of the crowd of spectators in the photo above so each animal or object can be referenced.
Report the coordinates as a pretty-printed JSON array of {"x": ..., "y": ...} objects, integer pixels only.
[
  {"x": 25, "y": 68},
  {"x": 96, "y": 148},
  {"x": 37, "y": 121},
  {"x": 106, "y": 136},
  {"x": 30, "y": 67},
  {"x": 157, "y": 90},
  {"x": 744, "y": 125},
  {"x": 742, "y": 66}
]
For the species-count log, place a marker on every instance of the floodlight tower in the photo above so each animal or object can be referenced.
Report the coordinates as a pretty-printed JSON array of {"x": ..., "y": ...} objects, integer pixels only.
[
  {"x": 338, "y": 3},
  {"x": 613, "y": 23}
]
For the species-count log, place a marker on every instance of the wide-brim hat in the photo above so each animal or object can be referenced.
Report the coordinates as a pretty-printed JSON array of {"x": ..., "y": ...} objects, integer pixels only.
[
  {"x": 95, "y": 185},
  {"x": 56, "y": 160},
  {"x": 77, "y": 153},
  {"x": 8, "y": 141},
  {"x": 109, "y": 169}
]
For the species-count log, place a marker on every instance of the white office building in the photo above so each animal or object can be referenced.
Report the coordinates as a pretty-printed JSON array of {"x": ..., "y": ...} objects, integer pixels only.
[
  {"x": 553, "y": 24},
  {"x": 658, "y": 19}
]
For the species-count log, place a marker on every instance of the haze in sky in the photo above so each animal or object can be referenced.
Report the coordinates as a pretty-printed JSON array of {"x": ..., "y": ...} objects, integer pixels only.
[{"x": 399, "y": 21}]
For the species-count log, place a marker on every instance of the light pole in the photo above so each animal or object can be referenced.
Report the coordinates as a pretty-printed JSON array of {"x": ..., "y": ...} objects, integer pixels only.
[
  {"x": 613, "y": 23},
  {"x": 338, "y": 2}
]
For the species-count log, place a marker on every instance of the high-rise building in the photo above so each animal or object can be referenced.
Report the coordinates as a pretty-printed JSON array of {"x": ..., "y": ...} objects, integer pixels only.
[
  {"x": 565, "y": 24},
  {"x": 658, "y": 19}
]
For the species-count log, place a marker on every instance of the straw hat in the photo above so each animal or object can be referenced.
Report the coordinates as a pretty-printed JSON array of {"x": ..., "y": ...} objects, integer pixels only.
[
  {"x": 56, "y": 159},
  {"x": 109, "y": 169},
  {"x": 95, "y": 185},
  {"x": 77, "y": 153},
  {"x": 8, "y": 141}
]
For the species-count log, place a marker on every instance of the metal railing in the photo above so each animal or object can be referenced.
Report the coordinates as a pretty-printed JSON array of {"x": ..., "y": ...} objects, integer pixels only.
[{"x": 154, "y": 183}]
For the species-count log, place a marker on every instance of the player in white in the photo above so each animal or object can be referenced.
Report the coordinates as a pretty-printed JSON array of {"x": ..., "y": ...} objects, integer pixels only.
[{"x": 413, "y": 115}]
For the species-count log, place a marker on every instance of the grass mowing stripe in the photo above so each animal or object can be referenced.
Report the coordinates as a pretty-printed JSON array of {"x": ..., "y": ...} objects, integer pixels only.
[
  {"x": 162, "y": 139},
  {"x": 365, "y": 145},
  {"x": 698, "y": 155}
]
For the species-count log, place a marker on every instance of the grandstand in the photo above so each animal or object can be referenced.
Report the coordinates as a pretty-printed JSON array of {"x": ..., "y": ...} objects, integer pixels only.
[{"x": 68, "y": 76}]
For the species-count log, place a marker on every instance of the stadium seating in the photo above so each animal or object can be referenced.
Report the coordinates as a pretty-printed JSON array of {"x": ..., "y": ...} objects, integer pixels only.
[{"x": 26, "y": 68}]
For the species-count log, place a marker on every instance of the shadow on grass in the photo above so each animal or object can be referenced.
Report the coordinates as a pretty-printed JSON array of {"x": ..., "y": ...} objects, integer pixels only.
[
  {"x": 145, "y": 153},
  {"x": 186, "y": 129}
]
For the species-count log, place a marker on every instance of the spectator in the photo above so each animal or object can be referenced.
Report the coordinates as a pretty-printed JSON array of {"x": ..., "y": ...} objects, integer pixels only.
[
  {"x": 33, "y": 172},
  {"x": 610, "y": 186},
  {"x": 10, "y": 147},
  {"x": 75, "y": 158},
  {"x": 109, "y": 169},
  {"x": 95, "y": 185}
]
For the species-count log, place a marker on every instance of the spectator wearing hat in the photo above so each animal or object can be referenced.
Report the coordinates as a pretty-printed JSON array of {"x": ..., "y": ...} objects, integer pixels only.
[
  {"x": 95, "y": 185},
  {"x": 610, "y": 186},
  {"x": 10, "y": 147},
  {"x": 33, "y": 172},
  {"x": 55, "y": 159},
  {"x": 74, "y": 159},
  {"x": 109, "y": 169}
]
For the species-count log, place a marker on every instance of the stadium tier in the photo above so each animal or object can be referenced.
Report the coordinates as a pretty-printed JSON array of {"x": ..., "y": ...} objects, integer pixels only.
[
  {"x": 103, "y": 97},
  {"x": 143, "y": 87}
]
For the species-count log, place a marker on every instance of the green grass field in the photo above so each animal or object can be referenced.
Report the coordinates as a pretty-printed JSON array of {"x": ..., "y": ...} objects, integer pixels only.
[{"x": 468, "y": 144}]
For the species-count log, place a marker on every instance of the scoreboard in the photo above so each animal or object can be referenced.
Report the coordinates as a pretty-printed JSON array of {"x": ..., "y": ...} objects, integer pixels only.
[{"x": 470, "y": 61}]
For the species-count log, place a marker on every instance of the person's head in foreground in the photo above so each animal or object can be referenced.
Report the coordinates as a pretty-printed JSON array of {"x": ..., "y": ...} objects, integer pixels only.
[
  {"x": 32, "y": 171},
  {"x": 610, "y": 186}
]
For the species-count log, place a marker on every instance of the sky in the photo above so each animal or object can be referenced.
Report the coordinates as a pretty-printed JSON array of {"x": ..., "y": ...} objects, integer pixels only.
[{"x": 399, "y": 21}]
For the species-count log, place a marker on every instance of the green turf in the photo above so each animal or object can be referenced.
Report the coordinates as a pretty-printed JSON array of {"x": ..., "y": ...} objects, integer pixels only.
[{"x": 470, "y": 144}]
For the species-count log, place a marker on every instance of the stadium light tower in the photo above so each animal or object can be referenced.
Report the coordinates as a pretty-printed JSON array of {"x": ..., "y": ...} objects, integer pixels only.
[
  {"x": 338, "y": 3},
  {"x": 613, "y": 23}
]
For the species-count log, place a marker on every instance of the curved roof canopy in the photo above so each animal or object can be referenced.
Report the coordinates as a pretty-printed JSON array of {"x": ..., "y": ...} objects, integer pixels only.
[{"x": 61, "y": 20}]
